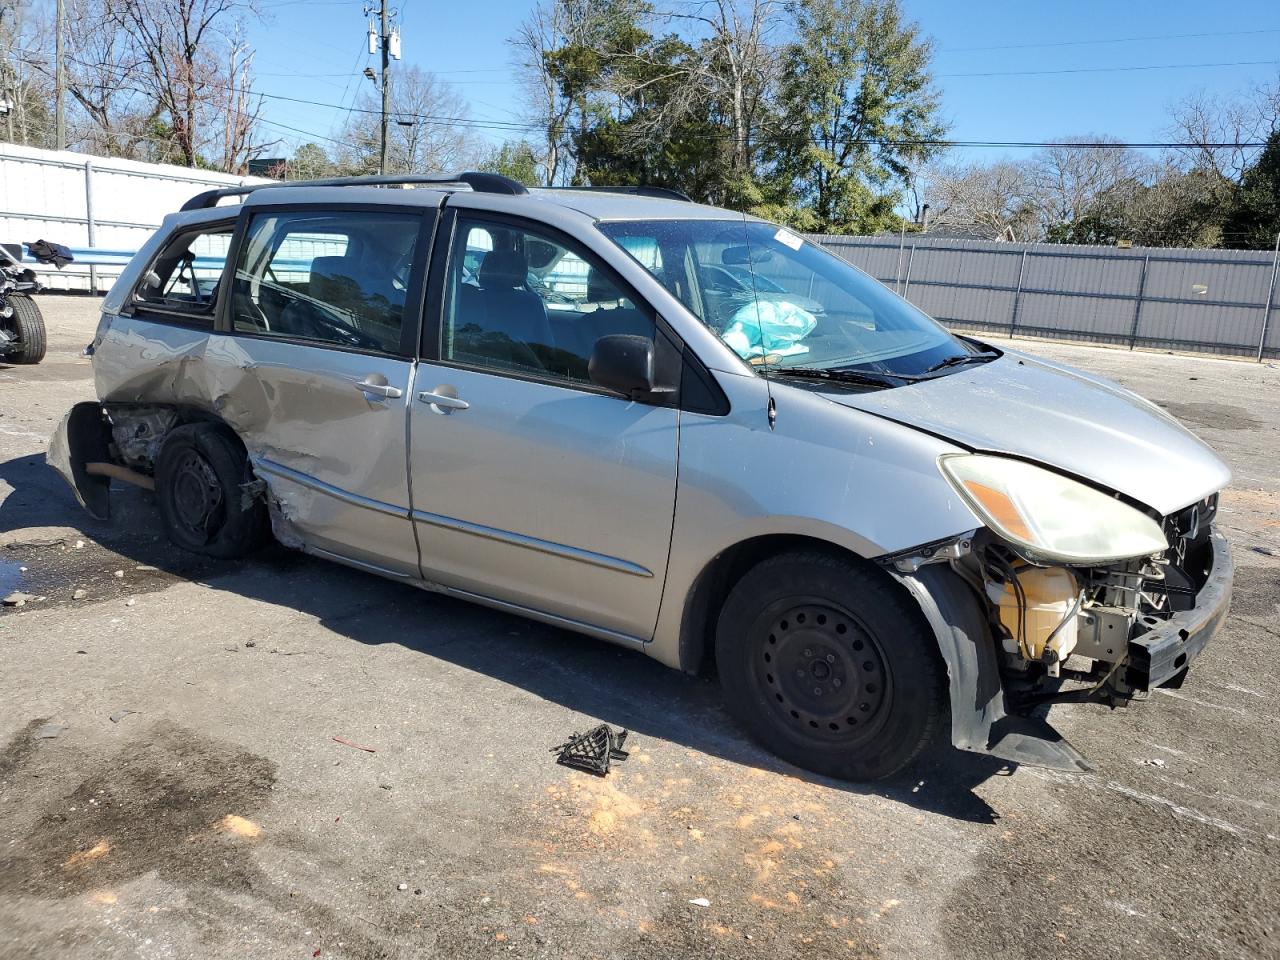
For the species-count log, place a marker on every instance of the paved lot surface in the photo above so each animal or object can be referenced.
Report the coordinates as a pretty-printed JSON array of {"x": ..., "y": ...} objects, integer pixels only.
[{"x": 222, "y": 819}]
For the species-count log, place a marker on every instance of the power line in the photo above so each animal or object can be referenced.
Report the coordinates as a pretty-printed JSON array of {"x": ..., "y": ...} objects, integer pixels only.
[
  {"x": 1155, "y": 66},
  {"x": 517, "y": 127},
  {"x": 306, "y": 133},
  {"x": 1082, "y": 43}
]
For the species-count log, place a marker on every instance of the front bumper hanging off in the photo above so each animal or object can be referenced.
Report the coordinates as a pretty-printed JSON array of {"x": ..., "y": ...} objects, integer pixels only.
[{"x": 980, "y": 720}]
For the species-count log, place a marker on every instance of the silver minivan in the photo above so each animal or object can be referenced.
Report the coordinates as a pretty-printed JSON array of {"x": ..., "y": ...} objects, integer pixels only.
[{"x": 668, "y": 426}]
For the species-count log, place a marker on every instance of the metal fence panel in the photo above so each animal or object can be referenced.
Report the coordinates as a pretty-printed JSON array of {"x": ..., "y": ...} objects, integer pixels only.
[
  {"x": 1108, "y": 320},
  {"x": 976, "y": 309},
  {"x": 1183, "y": 326},
  {"x": 1213, "y": 301}
]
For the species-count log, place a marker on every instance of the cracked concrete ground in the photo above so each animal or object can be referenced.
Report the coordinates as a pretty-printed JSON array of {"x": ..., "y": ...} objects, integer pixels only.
[{"x": 221, "y": 817}]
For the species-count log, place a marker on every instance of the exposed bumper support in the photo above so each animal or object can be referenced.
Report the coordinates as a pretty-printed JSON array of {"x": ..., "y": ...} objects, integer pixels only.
[{"x": 1160, "y": 657}]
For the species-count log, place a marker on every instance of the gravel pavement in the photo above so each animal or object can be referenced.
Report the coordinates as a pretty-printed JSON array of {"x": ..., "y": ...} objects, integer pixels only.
[{"x": 171, "y": 785}]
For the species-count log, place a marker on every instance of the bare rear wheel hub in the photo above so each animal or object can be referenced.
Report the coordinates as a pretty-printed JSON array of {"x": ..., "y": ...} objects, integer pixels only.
[{"x": 197, "y": 496}]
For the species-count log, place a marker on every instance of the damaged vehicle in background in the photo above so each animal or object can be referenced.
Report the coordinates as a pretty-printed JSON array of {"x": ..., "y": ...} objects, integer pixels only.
[
  {"x": 671, "y": 427},
  {"x": 22, "y": 331}
]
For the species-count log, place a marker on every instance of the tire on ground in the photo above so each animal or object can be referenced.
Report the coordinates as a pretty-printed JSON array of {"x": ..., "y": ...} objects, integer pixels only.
[
  {"x": 830, "y": 665},
  {"x": 29, "y": 325},
  {"x": 199, "y": 475}
]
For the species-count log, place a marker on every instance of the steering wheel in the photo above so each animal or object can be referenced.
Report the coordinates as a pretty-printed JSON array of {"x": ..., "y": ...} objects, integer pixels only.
[{"x": 339, "y": 331}]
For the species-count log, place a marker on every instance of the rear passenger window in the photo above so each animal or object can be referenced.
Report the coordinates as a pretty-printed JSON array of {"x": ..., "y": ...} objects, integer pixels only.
[
  {"x": 182, "y": 281},
  {"x": 332, "y": 278},
  {"x": 524, "y": 302}
]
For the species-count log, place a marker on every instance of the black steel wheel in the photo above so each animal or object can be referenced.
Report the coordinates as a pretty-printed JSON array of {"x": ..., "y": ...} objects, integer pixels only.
[
  {"x": 829, "y": 664},
  {"x": 200, "y": 474}
]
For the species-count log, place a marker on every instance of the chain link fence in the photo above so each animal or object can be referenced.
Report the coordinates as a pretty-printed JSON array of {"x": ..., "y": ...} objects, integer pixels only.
[{"x": 1210, "y": 301}]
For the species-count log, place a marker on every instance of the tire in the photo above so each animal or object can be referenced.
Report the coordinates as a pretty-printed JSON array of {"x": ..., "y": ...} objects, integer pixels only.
[
  {"x": 199, "y": 473},
  {"x": 829, "y": 665},
  {"x": 29, "y": 325}
]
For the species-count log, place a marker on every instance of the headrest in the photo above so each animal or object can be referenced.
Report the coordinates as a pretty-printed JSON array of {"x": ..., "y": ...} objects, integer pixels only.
[
  {"x": 329, "y": 267},
  {"x": 503, "y": 270}
]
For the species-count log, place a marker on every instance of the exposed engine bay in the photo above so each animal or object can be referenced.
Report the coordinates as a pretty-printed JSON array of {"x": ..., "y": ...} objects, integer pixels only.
[{"x": 1076, "y": 633}]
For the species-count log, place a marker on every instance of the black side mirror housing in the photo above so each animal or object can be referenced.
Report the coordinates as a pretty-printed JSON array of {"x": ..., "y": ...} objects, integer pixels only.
[{"x": 624, "y": 363}]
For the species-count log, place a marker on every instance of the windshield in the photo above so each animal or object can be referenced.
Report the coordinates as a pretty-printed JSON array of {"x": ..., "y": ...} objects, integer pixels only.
[{"x": 780, "y": 301}]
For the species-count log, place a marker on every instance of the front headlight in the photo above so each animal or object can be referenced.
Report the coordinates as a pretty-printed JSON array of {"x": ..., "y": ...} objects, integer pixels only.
[{"x": 1052, "y": 516}]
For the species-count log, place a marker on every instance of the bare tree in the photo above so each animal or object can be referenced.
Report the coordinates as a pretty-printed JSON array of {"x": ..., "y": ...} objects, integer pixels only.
[
  {"x": 240, "y": 112},
  {"x": 25, "y": 28},
  {"x": 1219, "y": 129},
  {"x": 996, "y": 200},
  {"x": 428, "y": 133},
  {"x": 739, "y": 68},
  {"x": 189, "y": 64},
  {"x": 1068, "y": 180},
  {"x": 543, "y": 32},
  {"x": 104, "y": 73}
]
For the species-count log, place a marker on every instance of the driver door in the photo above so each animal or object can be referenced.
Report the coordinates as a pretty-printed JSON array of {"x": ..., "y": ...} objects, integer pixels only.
[{"x": 313, "y": 367}]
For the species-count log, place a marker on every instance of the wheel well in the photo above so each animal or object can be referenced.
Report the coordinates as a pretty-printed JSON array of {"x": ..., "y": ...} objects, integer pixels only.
[
  {"x": 702, "y": 608},
  {"x": 139, "y": 429}
]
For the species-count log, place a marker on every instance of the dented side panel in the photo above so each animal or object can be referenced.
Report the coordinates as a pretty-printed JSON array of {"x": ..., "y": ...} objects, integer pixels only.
[{"x": 333, "y": 459}]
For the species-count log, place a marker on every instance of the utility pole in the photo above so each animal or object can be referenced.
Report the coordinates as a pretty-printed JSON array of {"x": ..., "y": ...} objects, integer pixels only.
[
  {"x": 60, "y": 78},
  {"x": 385, "y": 36}
]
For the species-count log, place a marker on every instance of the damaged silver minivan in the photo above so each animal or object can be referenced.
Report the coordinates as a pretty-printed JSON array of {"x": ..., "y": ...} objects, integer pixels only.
[{"x": 668, "y": 426}]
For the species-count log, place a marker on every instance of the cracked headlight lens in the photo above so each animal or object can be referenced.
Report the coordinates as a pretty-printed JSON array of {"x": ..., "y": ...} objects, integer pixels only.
[{"x": 1049, "y": 514}]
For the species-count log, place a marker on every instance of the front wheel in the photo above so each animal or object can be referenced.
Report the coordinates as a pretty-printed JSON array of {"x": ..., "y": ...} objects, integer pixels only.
[{"x": 828, "y": 664}]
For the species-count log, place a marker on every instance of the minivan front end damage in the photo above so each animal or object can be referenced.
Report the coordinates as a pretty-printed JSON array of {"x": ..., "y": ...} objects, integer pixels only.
[{"x": 1019, "y": 633}]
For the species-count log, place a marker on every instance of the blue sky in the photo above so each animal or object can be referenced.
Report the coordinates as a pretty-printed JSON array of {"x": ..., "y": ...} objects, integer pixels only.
[{"x": 316, "y": 49}]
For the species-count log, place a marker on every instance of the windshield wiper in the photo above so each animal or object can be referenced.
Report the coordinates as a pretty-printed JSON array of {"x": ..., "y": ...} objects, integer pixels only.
[
  {"x": 861, "y": 377},
  {"x": 960, "y": 358}
]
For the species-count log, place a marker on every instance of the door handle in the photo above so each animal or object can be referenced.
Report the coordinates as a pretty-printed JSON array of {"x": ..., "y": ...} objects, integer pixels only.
[
  {"x": 442, "y": 402},
  {"x": 379, "y": 389}
]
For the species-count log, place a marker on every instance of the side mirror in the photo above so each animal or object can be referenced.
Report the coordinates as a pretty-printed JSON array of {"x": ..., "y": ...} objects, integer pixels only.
[{"x": 624, "y": 363}]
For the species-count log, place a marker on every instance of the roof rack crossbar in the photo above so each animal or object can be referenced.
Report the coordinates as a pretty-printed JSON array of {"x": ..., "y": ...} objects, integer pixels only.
[
  {"x": 479, "y": 182},
  {"x": 640, "y": 190}
]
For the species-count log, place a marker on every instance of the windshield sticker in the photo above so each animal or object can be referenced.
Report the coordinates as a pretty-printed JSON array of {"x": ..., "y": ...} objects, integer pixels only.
[{"x": 787, "y": 238}]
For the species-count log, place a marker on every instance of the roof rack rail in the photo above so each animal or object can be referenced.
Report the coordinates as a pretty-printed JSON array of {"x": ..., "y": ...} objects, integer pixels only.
[
  {"x": 479, "y": 182},
  {"x": 640, "y": 190}
]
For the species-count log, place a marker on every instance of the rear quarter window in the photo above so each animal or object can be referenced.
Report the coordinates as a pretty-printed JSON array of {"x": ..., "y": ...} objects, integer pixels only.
[{"x": 181, "y": 282}]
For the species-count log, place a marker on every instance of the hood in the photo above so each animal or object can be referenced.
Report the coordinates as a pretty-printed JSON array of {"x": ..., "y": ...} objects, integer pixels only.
[{"x": 1074, "y": 422}]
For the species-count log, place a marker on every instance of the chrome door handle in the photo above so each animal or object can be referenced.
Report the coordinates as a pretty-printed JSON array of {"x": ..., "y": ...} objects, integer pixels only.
[
  {"x": 443, "y": 402},
  {"x": 379, "y": 389}
]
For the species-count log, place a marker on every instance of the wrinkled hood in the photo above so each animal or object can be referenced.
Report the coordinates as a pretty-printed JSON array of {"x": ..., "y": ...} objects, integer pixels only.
[{"x": 1063, "y": 418}]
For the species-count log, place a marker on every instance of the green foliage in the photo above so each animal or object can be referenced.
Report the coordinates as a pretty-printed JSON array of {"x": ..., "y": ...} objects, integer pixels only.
[
  {"x": 799, "y": 132},
  {"x": 639, "y": 138},
  {"x": 855, "y": 86},
  {"x": 514, "y": 160},
  {"x": 1254, "y": 218},
  {"x": 310, "y": 162}
]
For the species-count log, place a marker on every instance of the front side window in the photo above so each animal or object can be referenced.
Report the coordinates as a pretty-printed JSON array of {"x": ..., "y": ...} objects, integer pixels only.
[
  {"x": 183, "y": 278},
  {"x": 521, "y": 301},
  {"x": 338, "y": 278},
  {"x": 779, "y": 301}
]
